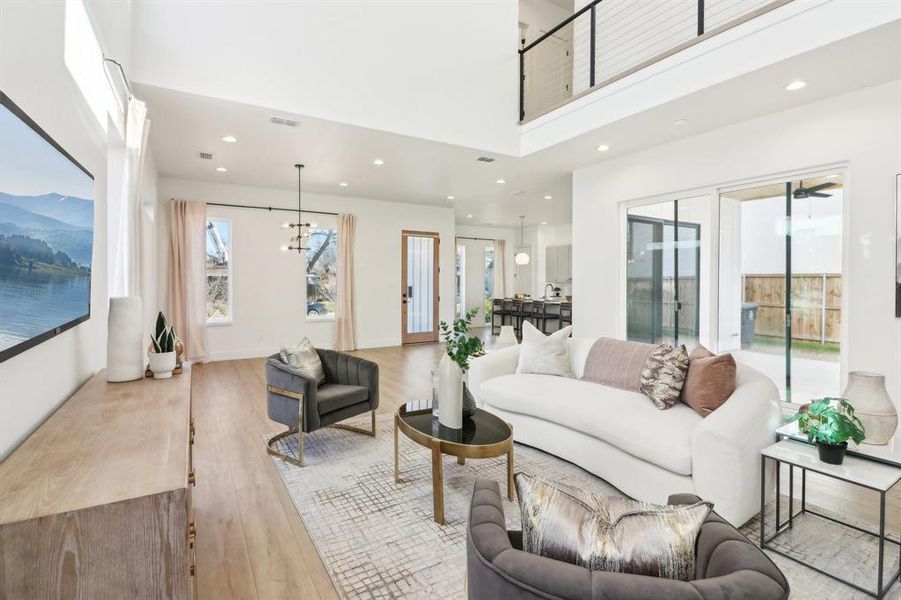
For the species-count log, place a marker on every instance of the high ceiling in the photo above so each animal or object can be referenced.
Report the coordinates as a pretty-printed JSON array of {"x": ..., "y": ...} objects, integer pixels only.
[{"x": 426, "y": 172}]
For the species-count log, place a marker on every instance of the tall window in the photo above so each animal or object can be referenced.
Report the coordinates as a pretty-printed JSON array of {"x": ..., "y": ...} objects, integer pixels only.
[
  {"x": 218, "y": 271},
  {"x": 460, "y": 295},
  {"x": 322, "y": 272},
  {"x": 489, "y": 281}
]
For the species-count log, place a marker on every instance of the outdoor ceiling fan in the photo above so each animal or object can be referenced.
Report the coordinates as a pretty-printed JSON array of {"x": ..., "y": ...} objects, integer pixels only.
[{"x": 813, "y": 191}]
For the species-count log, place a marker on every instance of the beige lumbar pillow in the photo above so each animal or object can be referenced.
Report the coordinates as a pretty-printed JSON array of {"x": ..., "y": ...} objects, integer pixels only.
[
  {"x": 544, "y": 354},
  {"x": 606, "y": 533},
  {"x": 304, "y": 359},
  {"x": 663, "y": 375},
  {"x": 710, "y": 380}
]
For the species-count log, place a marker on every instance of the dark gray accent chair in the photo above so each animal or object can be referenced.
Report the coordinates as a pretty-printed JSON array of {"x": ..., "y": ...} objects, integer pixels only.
[
  {"x": 351, "y": 388},
  {"x": 727, "y": 564}
]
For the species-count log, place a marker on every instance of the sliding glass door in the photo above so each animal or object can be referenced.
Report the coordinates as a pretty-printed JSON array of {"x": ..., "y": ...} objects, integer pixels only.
[
  {"x": 780, "y": 273},
  {"x": 663, "y": 282}
]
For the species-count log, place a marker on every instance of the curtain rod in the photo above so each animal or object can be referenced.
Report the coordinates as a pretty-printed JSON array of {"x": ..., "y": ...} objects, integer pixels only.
[
  {"x": 270, "y": 208},
  {"x": 463, "y": 237}
]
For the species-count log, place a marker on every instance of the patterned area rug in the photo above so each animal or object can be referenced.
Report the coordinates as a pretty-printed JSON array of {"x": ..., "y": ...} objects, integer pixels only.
[{"x": 377, "y": 538}]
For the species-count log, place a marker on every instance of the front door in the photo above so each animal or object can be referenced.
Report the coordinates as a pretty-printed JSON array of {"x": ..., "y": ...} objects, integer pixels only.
[{"x": 419, "y": 287}]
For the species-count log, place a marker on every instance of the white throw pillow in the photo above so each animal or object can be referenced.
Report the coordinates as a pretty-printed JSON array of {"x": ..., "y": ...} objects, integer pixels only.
[
  {"x": 304, "y": 358},
  {"x": 544, "y": 354}
]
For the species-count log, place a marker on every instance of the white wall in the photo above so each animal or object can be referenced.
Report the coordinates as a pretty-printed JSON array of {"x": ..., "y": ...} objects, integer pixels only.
[
  {"x": 444, "y": 71},
  {"x": 540, "y": 16},
  {"x": 269, "y": 300},
  {"x": 34, "y": 76},
  {"x": 860, "y": 130}
]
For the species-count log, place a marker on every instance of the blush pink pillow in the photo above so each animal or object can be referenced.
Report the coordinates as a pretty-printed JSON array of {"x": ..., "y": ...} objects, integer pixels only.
[{"x": 710, "y": 380}]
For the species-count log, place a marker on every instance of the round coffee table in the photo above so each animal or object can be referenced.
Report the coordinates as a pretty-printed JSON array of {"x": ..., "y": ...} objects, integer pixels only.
[{"x": 484, "y": 435}]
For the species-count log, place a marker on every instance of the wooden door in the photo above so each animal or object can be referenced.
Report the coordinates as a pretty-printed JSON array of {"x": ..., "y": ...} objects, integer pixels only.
[{"x": 419, "y": 286}]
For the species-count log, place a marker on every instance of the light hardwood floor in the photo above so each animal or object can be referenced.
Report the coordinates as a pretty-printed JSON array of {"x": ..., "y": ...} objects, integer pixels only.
[{"x": 251, "y": 543}]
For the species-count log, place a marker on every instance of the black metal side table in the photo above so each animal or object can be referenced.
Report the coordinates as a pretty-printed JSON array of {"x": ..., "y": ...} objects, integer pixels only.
[{"x": 872, "y": 475}]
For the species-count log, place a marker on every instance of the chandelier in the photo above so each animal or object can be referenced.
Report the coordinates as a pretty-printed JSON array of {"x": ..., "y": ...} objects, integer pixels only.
[{"x": 300, "y": 230}]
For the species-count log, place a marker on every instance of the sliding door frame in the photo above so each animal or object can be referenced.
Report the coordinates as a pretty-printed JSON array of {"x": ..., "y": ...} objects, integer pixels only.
[{"x": 426, "y": 336}]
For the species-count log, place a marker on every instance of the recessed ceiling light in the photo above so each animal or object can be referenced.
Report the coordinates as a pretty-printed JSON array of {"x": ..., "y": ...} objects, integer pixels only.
[
  {"x": 378, "y": 162},
  {"x": 229, "y": 138},
  {"x": 548, "y": 197},
  {"x": 451, "y": 197},
  {"x": 221, "y": 169},
  {"x": 680, "y": 122},
  {"x": 502, "y": 181},
  {"x": 795, "y": 85},
  {"x": 343, "y": 184},
  {"x": 544, "y": 222},
  {"x": 602, "y": 148},
  {"x": 468, "y": 216}
]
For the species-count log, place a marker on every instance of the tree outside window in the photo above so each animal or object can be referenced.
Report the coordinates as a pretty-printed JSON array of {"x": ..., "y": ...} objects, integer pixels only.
[
  {"x": 218, "y": 271},
  {"x": 322, "y": 272}
]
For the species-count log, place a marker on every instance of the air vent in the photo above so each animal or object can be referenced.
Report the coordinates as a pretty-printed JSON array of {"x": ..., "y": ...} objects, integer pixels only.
[
  {"x": 519, "y": 192},
  {"x": 284, "y": 121},
  {"x": 205, "y": 155},
  {"x": 487, "y": 159}
]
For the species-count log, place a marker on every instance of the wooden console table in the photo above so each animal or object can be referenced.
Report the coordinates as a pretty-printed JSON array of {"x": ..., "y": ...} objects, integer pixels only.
[{"x": 96, "y": 503}]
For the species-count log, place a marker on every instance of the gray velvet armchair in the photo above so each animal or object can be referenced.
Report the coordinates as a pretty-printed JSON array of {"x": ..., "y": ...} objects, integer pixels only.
[
  {"x": 351, "y": 388},
  {"x": 727, "y": 565}
]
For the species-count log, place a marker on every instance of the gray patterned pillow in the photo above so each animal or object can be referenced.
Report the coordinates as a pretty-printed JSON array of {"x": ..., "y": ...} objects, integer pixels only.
[
  {"x": 544, "y": 354},
  {"x": 304, "y": 358},
  {"x": 664, "y": 375},
  {"x": 606, "y": 533}
]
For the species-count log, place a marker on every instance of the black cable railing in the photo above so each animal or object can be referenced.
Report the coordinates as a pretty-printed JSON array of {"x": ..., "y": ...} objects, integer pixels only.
[{"x": 622, "y": 36}]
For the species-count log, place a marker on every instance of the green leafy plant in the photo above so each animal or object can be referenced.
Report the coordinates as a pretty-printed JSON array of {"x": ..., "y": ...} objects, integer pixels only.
[
  {"x": 163, "y": 337},
  {"x": 460, "y": 347},
  {"x": 830, "y": 421}
]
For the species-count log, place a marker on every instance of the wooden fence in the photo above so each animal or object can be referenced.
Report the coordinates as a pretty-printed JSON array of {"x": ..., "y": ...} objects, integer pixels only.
[{"x": 816, "y": 305}]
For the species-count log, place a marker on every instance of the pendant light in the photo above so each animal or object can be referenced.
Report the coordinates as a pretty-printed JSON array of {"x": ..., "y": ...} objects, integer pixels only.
[
  {"x": 297, "y": 242},
  {"x": 521, "y": 258}
]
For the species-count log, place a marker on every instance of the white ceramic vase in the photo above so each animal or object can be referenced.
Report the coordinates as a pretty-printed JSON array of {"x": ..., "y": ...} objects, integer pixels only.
[
  {"x": 867, "y": 394},
  {"x": 125, "y": 359},
  {"x": 507, "y": 337},
  {"x": 162, "y": 364},
  {"x": 450, "y": 393}
]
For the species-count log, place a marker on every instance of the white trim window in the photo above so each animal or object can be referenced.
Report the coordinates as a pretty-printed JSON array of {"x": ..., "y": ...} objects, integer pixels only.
[
  {"x": 322, "y": 273},
  {"x": 219, "y": 272}
]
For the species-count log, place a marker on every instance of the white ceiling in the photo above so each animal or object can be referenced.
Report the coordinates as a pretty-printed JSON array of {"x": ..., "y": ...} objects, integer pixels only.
[{"x": 425, "y": 172}]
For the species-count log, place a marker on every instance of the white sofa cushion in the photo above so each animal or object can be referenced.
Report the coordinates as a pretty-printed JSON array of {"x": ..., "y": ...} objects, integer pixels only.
[{"x": 619, "y": 417}]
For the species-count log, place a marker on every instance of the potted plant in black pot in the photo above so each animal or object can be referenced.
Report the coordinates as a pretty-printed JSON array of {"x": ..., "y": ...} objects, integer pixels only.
[{"x": 830, "y": 423}]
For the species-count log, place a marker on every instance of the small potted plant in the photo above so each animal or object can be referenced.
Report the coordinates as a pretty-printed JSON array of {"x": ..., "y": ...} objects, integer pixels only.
[
  {"x": 459, "y": 350},
  {"x": 830, "y": 423},
  {"x": 163, "y": 342}
]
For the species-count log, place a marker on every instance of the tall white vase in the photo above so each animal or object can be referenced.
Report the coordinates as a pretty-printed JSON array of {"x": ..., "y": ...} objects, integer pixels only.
[
  {"x": 125, "y": 340},
  {"x": 867, "y": 394},
  {"x": 450, "y": 393}
]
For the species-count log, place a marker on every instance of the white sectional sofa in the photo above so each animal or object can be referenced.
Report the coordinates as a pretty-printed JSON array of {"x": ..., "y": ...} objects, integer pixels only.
[{"x": 623, "y": 438}]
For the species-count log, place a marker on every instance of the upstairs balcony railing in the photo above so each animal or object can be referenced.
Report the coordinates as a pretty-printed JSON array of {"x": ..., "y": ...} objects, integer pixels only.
[{"x": 607, "y": 40}]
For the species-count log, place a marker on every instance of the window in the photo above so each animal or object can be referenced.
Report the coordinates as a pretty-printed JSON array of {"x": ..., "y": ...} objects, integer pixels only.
[
  {"x": 218, "y": 271},
  {"x": 489, "y": 282},
  {"x": 460, "y": 295},
  {"x": 322, "y": 272}
]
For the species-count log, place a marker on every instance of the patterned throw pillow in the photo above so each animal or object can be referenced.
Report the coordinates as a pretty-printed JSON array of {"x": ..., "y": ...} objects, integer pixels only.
[
  {"x": 606, "y": 533},
  {"x": 544, "y": 354},
  {"x": 664, "y": 375},
  {"x": 304, "y": 359}
]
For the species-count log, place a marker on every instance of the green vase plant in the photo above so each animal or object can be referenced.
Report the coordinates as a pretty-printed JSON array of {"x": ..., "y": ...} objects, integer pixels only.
[
  {"x": 830, "y": 423},
  {"x": 460, "y": 347}
]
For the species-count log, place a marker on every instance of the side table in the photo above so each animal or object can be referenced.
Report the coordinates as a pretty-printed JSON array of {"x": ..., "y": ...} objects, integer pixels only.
[{"x": 868, "y": 474}]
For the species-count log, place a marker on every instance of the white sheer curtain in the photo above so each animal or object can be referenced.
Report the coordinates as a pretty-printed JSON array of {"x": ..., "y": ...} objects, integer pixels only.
[
  {"x": 500, "y": 271},
  {"x": 187, "y": 286},
  {"x": 345, "y": 337},
  {"x": 125, "y": 207}
]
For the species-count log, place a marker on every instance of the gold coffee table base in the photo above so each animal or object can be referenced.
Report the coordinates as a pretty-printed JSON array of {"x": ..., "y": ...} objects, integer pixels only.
[{"x": 406, "y": 420}]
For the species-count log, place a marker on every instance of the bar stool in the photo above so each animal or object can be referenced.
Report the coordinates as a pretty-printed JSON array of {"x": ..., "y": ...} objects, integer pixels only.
[
  {"x": 515, "y": 307},
  {"x": 566, "y": 314},
  {"x": 497, "y": 311},
  {"x": 507, "y": 312},
  {"x": 551, "y": 313},
  {"x": 524, "y": 313},
  {"x": 538, "y": 314}
]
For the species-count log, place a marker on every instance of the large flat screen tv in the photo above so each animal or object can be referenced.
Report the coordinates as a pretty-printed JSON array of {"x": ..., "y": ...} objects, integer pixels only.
[{"x": 46, "y": 235}]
